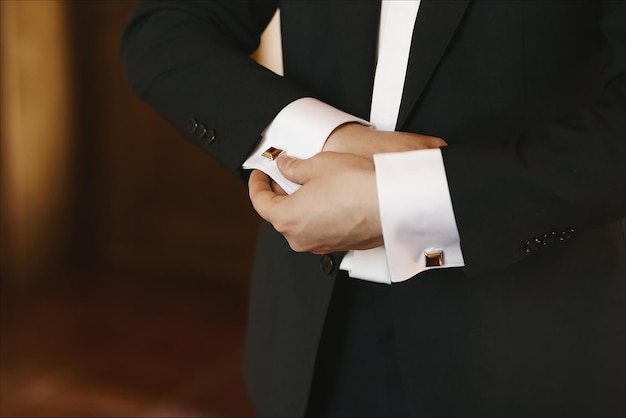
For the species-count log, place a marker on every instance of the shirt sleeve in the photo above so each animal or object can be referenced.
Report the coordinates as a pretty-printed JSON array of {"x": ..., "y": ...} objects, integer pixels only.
[
  {"x": 415, "y": 206},
  {"x": 300, "y": 130},
  {"x": 419, "y": 227}
]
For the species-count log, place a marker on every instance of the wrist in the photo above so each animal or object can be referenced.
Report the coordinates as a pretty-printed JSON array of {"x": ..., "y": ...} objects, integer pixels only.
[{"x": 342, "y": 137}]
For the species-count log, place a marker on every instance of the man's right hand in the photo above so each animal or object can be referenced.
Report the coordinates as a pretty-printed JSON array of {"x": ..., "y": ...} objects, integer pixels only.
[{"x": 354, "y": 138}]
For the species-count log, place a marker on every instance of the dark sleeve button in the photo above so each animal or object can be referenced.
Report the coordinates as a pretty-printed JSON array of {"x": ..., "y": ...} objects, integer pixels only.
[
  {"x": 192, "y": 125},
  {"x": 201, "y": 131},
  {"x": 532, "y": 245},
  {"x": 327, "y": 264},
  {"x": 549, "y": 238},
  {"x": 209, "y": 136},
  {"x": 567, "y": 234}
]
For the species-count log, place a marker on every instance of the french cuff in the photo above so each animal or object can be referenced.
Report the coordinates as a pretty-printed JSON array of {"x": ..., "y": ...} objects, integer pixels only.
[
  {"x": 300, "y": 130},
  {"x": 419, "y": 228}
]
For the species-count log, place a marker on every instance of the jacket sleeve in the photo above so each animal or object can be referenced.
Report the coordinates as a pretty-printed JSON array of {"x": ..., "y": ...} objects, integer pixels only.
[
  {"x": 552, "y": 181},
  {"x": 190, "y": 61}
]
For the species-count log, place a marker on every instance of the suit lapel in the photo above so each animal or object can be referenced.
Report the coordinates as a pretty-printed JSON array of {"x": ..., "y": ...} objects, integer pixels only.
[
  {"x": 355, "y": 28},
  {"x": 437, "y": 21}
]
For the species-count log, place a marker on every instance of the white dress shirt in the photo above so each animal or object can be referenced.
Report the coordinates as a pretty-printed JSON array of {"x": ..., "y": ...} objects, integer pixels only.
[{"x": 415, "y": 206}]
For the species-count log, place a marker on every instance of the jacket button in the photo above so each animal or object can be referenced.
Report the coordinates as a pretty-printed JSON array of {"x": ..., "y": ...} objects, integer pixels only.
[
  {"x": 192, "y": 125},
  {"x": 532, "y": 245},
  {"x": 327, "y": 264},
  {"x": 209, "y": 136},
  {"x": 567, "y": 234},
  {"x": 549, "y": 238},
  {"x": 201, "y": 131}
]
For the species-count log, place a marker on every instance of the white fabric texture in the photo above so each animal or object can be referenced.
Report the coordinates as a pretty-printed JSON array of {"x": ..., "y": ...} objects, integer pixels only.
[
  {"x": 300, "y": 130},
  {"x": 416, "y": 211}
]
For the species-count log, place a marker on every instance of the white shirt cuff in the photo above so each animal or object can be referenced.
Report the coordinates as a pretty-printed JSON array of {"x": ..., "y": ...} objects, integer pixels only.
[
  {"x": 416, "y": 212},
  {"x": 300, "y": 130}
]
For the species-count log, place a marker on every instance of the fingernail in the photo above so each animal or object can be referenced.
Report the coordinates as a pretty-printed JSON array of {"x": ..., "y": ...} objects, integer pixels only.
[{"x": 283, "y": 161}]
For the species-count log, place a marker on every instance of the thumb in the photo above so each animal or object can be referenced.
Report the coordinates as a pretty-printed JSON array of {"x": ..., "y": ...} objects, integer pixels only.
[{"x": 294, "y": 169}]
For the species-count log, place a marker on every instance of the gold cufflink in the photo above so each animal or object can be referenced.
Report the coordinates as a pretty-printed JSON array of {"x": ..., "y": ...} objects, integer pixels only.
[
  {"x": 272, "y": 153},
  {"x": 434, "y": 258}
]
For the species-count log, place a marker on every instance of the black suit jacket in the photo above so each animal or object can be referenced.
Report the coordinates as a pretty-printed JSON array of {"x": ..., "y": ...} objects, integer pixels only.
[{"x": 530, "y": 98}]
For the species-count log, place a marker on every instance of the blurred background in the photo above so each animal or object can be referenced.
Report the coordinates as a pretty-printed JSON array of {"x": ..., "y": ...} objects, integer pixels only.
[{"x": 125, "y": 251}]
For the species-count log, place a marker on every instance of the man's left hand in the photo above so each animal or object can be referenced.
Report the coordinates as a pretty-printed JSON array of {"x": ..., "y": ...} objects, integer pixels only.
[{"x": 336, "y": 209}]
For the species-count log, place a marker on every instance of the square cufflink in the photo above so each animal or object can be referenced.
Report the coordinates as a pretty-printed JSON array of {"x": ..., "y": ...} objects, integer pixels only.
[
  {"x": 272, "y": 153},
  {"x": 434, "y": 257}
]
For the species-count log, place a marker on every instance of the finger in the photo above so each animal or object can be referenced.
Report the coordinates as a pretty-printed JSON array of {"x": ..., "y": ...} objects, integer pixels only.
[
  {"x": 263, "y": 198},
  {"x": 294, "y": 169},
  {"x": 277, "y": 189}
]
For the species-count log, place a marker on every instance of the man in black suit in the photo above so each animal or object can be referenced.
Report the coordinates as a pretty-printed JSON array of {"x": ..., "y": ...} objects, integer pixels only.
[{"x": 529, "y": 99}]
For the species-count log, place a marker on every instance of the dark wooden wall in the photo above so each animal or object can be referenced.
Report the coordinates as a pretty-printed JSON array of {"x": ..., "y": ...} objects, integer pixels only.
[
  {"x": 125, "y": 251},
  {"x": 140, "y": 196}
]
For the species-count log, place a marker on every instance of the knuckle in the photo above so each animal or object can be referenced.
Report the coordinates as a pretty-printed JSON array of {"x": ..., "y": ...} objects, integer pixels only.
[
  {"x": 281, "y": 227},
  {"x": 297, "y": 245}
]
